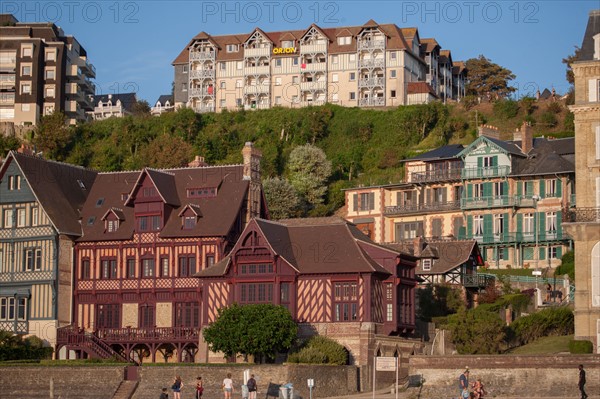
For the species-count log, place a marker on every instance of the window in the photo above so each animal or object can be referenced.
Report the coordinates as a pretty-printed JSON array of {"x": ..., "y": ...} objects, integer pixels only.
[
  {"x": 49, "y": 92},
  {"x": 189, "y": 222},
  {"x": 239, "y": 65},
  {"x": 146, "y": 223},
  {"x": 344, "y": 40},
  {"x": 478, "y": 190},
  {"x": 233, "y": 48},
  {"x": 393, "y": 55},
  {"x": 147, "y": 267},
  {"x": 295, "y": 79},
  {"x": 49, "y": 73},
  {"x": 112, "y": 225},
  {"x": 367, "y": 201},
  {"x": 222, "y": 66},
  {"x": 478, "y": 225},
  {"x": 25, "y": 107},
  {"x": 335, "y": 77},
  {"x": 346, "y": 301},
  {"x": 238, "y": 83},
  {"x": 595, "y": 274},
  {"x": 335, "y": 97},
  {"x": 222, "y": 84},
  {"x": 86, "y": 271},
  {"x": 277, "y": 100},
  {"x": 287, "y": 43},
  {"x": 32, "y": 258},
  {"x": 408, "y": 230},
  {"x": 352, "y": 95},
  {"x": 50, "y": 55},
  {"x": 256, "y": 268},
  {"x": 553, "y": 252},
  {"x": 278, "y": 62},
  {"x": 14, "y": 182},
  {"x": 296, "y": 60},
  {"x": 334, "y": 59},
  {"x": 35, "y": 216},
  {"x": 187, "y": 314},
  {"x": 294, "y": 99},
  {"x": 185, "y": 68},
  {"x": 393, "y": 73},
  {"x": 108, "y": 268},
  {"x": 26, "y": 51},
  {"x": 499, "y": 224},
  {"x": 25, "y": 88},
  {"x": 26, "y": 70},
  {"x": 187, "y": 265},
  {"x": 551, "y": 188},
  {"x": 21, "y": 217},
  {"x": 108, "y": 316},
  {"x": 551, "y": 222},
  {"x": 426, "y": 265},
  {"x": 277, "y": 81},
  {"x": 436, "y": 227},
  {"x": 352, "y": 76},
  {"x": 498, "y": 189},
  {"x": 164, "y": 267},
  {"x": 222, "y": 103},
  {"x": 8, "y": 218},
  {"x": 393, "y": 93},
  {"x": 184, "y": 87},
  {"x": 210, "y": 260},
  {"x": 528, "y": 225},
  {"x": 130, "y": 268},
  {"x": 12, "y": 308},
  {"x": 205, "y": 192},
  {"x": 284, "y": 289},
  {"x": 488, "y": 162},
  {"x": 147, "y": 314},
  {"x": 256, "y": 292},
  {"x": 352, "y": 58},
  {"x": 598, "y": 142}
]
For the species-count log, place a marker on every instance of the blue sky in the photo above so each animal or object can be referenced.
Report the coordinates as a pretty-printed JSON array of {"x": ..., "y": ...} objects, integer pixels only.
[{"x": 132, "y": 43}]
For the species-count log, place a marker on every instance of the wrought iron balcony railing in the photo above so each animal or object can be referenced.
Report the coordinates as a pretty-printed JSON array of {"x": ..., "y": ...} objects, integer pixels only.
[
  {"x": 416, "y": 208},
  {"x": 492, "y": 171},
  {"x": 583, "y": 215},
  {"x": 435, "y": 175}
]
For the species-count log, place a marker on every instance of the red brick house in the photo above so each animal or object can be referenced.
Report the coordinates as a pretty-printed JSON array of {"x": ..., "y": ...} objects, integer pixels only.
[
  {"x": 145, "y": 234},
  {"x": 333, "y": 279}
]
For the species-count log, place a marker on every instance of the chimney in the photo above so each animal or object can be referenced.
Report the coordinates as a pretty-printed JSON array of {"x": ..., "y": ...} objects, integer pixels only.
[
  {"x": 418, "y": 244},
  {"x": 489, "y": 131},
  {"x": 526, "y": 137},
  {"x": 252, "y": 157},
  {"x": 197, "y": 162}
]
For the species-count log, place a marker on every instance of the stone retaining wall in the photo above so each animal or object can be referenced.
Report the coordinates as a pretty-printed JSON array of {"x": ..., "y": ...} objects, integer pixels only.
[{"x": 506, "y": 376}]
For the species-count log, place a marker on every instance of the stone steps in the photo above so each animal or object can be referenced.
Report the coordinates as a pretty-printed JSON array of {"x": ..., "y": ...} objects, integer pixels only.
[{"x": 126, "y": 390}]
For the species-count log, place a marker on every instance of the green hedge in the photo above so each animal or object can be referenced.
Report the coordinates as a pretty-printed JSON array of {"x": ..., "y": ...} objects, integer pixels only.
[
  {"x": 551, "y": 321},
  {"x": 578, "y": 347},
  {"x": 320, "y": 350}
]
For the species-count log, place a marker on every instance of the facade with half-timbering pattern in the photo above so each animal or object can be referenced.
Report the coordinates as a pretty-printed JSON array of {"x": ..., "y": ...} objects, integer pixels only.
[{"x": 332, "y": 278}]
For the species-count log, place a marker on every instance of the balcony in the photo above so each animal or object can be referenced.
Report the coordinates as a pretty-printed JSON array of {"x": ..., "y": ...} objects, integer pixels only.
[
  {"x": 477, "y": 280},
  {"x": 313, "y": 103},
  {"x": 256, "y": 89},
  {"x": 583, "y": 215},
  {"x": 314, "y": 67},
  {"x": 88, "y": 86},
  {"x": 311, "y": 86},
  {"x": 421, "y": 208},
  {"x": 257, "y": 70},
  {"x": 501, "y": 201},
  {"x": 202, "y": 55},
  {"x": 201, "y": 92},
  {"x": 86, "y": 67},
  {"x": 488, "y": 172},
  {"x": 435, "y": 175},
  {"x": 15, "y": 326},
  {"x": 248, "y": 107},
  {"x": 371, "y": 82},
  {"x": 204, "y": 109},
  {"x": 313, "y": 48},
  {"x": 371, "y": 63},
  {"x": 371, "y": 102},
  {"x": 7, "y": 98},
  {"x": 521, "y": 237},
  {"x": 158, "y": 334},
  {"x": 371, "y": 44},
  {"x": 7, "y": 82},
  {"x": 257, "y": 52},
  {"x": 202, "y": 74}
]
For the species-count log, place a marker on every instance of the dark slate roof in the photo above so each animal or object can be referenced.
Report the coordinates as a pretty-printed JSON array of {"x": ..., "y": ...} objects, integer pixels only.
[
  {"x": 507, "y": 146},
  {"x": 593, "y": 28},
  {"x": 544, "y": 159},
  {"x": 217, "y": 214},
  {"x": 447, "y": 254},
  {"x": 164, "y": 98},
  {"x": 127, "y": 99},
  {"x": 60, "y": 188},
  {"x": 546, "y": 94},
  {"x": 341, "y": 247},
  {"x": 441, "y": 153}
]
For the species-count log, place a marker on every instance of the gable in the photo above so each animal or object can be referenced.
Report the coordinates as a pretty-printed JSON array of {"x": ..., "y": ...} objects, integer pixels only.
[{"x": 11, "y": 171}]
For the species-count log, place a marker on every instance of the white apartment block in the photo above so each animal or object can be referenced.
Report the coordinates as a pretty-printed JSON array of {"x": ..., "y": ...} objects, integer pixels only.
[{"x": 366, "y": 66}]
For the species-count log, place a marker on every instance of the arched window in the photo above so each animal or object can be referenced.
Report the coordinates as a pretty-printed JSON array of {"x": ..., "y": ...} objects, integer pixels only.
[{"x": 596, "y": 275}]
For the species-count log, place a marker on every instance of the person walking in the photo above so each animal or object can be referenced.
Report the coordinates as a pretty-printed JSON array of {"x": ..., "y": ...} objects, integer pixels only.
[
  {"x": 176, "y": 387},
  {"x": 582, "y": 382},
  {"x": 463, "y": 384},
  {"x": 227, "y": 386},
  {"x": 199, "y": 388},
  {"x": 252, "y": 387}
]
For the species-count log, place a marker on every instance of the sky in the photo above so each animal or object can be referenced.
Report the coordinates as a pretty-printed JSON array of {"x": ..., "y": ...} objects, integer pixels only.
[{"x": 133, "y": 43}]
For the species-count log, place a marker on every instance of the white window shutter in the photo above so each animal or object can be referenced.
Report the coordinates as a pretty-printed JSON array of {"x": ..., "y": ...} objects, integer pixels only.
[
  {"x": 596, "y": 275},
  {"x": 593, "y": 90}
]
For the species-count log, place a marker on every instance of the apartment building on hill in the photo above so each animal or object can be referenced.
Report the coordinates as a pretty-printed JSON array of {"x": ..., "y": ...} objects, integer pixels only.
[
  {"x": 42, "y": 70},
  {"x": 509, "y": 196},
  {"x": 366, "y": 66}
]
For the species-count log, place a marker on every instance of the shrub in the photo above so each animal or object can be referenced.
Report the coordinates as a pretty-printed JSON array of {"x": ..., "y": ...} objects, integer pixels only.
[
  {"x": 506, "y": 109},
  {"x": 551, "y": 321},
  {"x": 469, "y": 102},
  {"x": 477, "y": 332},
  {"x": 578, "y": 347},
  {"x": 555, "y": 107},
  {"x": 320, "y": 350},
  {"x": 548, "y": 118},
  {"x": 567, "y": 266},
  {"x": 569, "y": 122},
  {"x": 528, "y": 105}
]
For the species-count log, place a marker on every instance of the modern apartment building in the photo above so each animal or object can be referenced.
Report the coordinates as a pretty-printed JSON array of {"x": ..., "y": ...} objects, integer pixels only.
[
  {"x": 366, "y": 66},
  {"x": 42, "y": 70},
  {"x": 509, "y": 196},
  {"x": 584, "y": 221}
]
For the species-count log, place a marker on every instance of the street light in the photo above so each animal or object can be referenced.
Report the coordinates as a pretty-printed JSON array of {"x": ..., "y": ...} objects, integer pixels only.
[{"x": 535, "y": 199}]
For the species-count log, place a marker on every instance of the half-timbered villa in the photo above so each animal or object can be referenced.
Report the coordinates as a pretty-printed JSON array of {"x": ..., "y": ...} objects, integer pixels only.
[
  {"x": 145, "y": 234},
  {"x": 40, "y": 201},
  {"x": 333, "y": 279}
]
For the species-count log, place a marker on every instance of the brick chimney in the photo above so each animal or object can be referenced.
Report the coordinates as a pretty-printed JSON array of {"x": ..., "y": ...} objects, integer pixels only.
[
  {"x": 252, "y": 157},
  {"x": 418, "y": 244},
  {"x": 489, "y": 131},
  {"x": 197, "y": 162},
  {"x": 526, "y": 137}
]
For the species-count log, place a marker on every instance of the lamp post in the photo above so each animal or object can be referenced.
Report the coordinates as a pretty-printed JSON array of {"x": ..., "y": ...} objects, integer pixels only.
[{"x": 535, "y": 199}]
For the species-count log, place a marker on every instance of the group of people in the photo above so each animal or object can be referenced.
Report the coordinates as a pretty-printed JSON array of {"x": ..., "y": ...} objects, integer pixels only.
[
  {"x": 226, "y": 386},
  {"x": 478, "y": 391}
]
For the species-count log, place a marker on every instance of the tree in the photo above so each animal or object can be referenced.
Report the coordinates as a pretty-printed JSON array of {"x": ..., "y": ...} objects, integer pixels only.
[
  {"x": 166, "y": 151},
  {"x": 477, "y": 332},
  {"x": 309, "y": 170},
  {"x": 53, "y": 136},
  {"x": 140, "y": 108},
  {"x": 261, "y": 330},
  {"x": 568, "y": 61},
  {"x": 282, "y": 200},
  {"x": 487, "y": 78}
]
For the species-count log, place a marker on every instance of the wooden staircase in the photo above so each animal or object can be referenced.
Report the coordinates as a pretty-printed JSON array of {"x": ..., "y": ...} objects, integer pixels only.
[{"x": 77, "y": 339}]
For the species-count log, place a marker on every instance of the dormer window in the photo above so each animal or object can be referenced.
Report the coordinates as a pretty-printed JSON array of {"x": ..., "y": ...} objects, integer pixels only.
[
  {"x": 205, "y": 192},
  {"x": 233, "y": 48},
  {"x": 14, "y": 182},
  {"x": 426, "y": 265},
  {"x": 112, "y": 225},
  {"x": 149, "y": 192},
  {"x": 344, "y": 40},
  {"x": 189, "y": 222},
  {"x": 287, "y": 43}
]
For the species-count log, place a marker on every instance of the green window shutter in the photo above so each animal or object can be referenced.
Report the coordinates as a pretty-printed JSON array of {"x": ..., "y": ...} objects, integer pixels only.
[
  {"x": 480, "y": 162},
  {"x": 469, "y": 226},
  {"x": 487, "y": 189},
  {"x": 469, "y": 191},
  {"x": 529, "y": 188},
  {"x": 505, "y": 227},
  {"x": 559, "y": 188},
  {"x": 541, "y": 226},
  {"x": 543, "y": 253},
  {"x": 355, "y": 202},
  {"x": 519, "y": 225},
  {"x": 504, "y": 188},
  {"x": 559, "y": 224},
  {"x": 488, "y": 227},
  {"x": 542, "y": 188},
  {"x": 559, "y": 252},
  {"x": 505, "y": 253},
  {"x": 519, "y": 188},
  {"x": 495, "y": 160},
  {"x": 371, "y": 201}
]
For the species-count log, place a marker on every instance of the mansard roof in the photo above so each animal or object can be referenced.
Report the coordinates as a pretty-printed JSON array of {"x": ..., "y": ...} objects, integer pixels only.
[
  {"x": 546, "y": 157},
  {"x": 593, "y": 28},
  {"x": 60, "y": 188}
]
